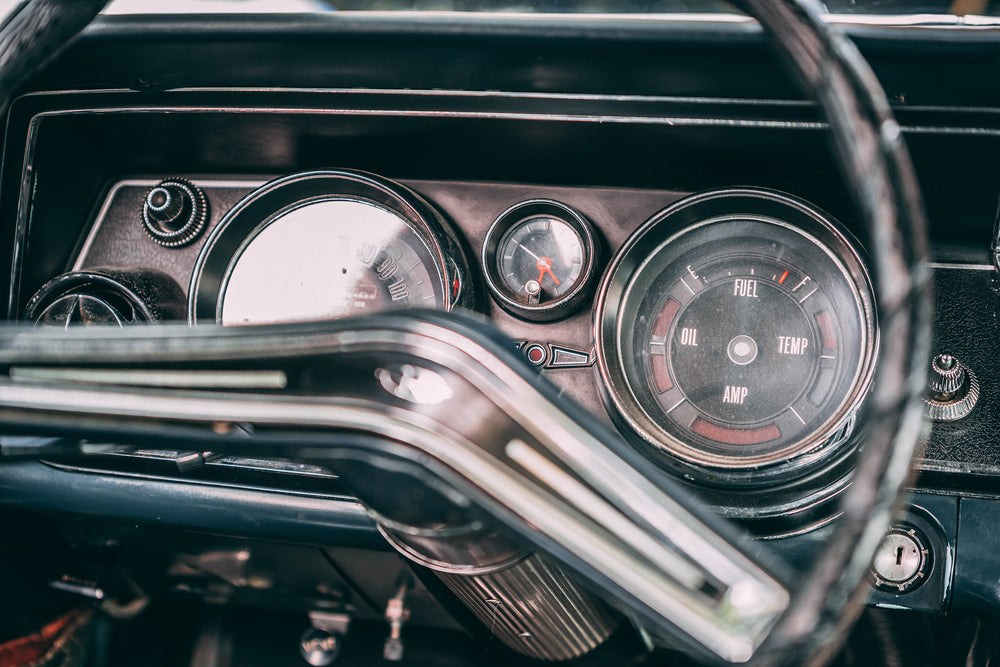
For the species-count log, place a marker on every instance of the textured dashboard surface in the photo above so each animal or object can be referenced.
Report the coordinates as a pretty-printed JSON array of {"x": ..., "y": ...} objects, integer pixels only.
[{"x": 965, "y": 326}]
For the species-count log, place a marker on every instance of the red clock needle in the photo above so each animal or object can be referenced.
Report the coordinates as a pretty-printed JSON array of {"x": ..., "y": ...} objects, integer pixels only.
[{"x": 545, "y": 266}]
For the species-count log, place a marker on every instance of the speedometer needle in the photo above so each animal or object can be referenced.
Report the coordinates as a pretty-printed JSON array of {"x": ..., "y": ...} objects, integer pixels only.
[{"x": 545, "y": 266}]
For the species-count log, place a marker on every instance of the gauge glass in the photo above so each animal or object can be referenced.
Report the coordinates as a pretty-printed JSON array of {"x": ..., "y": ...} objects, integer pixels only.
[
  {"x": 741, "y": 341},
  {"x": 540, "y": 259},
  {"x": 326, "y": 259}
]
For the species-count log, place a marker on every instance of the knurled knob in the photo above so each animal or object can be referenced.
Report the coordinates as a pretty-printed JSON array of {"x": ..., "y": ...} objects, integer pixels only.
[
  {"x": 174, "y": 212},
  {"x": 947, "y": 375},
  {"x": 952, "y": 391}
]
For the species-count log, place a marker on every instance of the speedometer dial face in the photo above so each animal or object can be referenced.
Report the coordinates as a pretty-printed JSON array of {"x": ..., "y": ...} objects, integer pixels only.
[
  {"x": 329, "y": 259},
  {"x": 324, "y": 245},
  {"x": 743, "y": 339}
]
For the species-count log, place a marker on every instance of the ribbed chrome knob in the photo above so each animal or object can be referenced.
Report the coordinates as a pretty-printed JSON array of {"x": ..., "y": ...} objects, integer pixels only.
[
  {"x": 952, "y": 391},
  {"x": 174, "y": 212},
  {"x": 947, "y": 375}
]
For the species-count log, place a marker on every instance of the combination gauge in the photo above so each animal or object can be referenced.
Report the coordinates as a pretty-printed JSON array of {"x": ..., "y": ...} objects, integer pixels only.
[{"x": 736, "y": 333}]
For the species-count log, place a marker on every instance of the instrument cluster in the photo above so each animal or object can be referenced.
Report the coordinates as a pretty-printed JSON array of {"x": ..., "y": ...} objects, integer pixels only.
[{"x": 733, "y": 332}]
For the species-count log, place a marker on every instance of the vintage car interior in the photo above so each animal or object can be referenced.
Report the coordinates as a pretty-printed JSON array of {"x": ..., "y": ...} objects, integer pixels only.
[{"x": 460, "y": 333}]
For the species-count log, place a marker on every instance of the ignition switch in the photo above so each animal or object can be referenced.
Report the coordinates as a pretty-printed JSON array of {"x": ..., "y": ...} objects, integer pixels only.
[{"x": 901, "y": 562}]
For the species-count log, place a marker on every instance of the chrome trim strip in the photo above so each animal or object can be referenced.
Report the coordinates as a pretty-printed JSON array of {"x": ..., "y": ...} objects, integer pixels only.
[
  {"x": 156, "y": 378},
  {"x": 958, "y": 266},
  {"x": 900, "y": 21},
  {"x": 488, "y": 115}
]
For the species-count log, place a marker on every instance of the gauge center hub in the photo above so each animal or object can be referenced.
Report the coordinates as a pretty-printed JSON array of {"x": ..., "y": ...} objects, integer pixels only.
[{"x": 742, "y": 350}]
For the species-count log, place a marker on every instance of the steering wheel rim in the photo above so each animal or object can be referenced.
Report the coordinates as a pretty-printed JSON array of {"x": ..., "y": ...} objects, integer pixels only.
[{"x": 869, "y": 145}]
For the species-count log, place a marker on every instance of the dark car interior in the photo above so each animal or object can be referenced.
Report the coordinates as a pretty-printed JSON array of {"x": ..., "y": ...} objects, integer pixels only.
[{"x": 418, "y": 334}]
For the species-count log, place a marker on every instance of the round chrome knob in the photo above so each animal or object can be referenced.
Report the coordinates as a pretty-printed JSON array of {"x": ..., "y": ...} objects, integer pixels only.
[
  {"x": 174, "y": 212},
  {"x": 952, "y": 391}
]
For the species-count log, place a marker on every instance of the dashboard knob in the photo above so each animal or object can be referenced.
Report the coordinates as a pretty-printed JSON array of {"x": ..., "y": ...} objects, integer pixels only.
[
  {"x": 953, "y": 389},
  {"x": 174, "y": 212}
]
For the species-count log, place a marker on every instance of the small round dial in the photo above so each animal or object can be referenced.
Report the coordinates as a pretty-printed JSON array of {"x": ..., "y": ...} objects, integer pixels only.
[{"x": 539, "y": 258}]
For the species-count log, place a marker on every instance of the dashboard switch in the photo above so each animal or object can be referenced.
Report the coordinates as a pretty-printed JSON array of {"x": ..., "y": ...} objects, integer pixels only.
[
  {"x": 952, "y": 391},
  {"x": 174, "y": 212}
]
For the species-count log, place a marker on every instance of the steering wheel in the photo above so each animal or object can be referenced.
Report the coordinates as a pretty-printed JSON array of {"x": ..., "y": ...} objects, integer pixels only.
[{"x": 537, "y": 466}]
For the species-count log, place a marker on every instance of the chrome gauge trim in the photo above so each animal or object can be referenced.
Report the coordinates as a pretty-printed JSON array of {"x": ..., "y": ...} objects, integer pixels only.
[
  {"x": 564, "y": 304},
  {"x": 822, "y": 443},
  {"x": 270, "y": 202}
]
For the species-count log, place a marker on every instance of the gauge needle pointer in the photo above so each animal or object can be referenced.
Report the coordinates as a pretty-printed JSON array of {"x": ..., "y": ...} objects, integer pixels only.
[
  {"x": 525, "y": 249},
  {"x": 545, "y": 266}
]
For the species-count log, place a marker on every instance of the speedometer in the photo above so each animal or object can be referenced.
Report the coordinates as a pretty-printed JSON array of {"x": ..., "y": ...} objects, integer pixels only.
[
  {"x": 736, "y": 330},
  {"x": 324, "y": 245},
  {"x": 369, "y": 260}
]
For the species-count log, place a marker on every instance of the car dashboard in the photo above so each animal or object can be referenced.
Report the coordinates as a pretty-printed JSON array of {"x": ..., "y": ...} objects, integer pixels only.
[{"x": 603, "y": 190}]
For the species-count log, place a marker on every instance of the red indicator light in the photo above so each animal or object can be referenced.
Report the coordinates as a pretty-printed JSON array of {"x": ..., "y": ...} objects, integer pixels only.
[{"x": 536, "y": 354}]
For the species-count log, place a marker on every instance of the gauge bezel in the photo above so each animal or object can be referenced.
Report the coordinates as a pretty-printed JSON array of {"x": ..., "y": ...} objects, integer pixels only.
[
  {"x": 265, "y": 204},
  {"x": 152, "y": 296},
  {"x": 566, "y": 304},
  {"x": 665, "y": 228}
]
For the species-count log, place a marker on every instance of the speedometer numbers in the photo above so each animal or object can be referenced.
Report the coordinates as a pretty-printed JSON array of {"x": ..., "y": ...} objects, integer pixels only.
[{"x": 736, "y": 330}]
